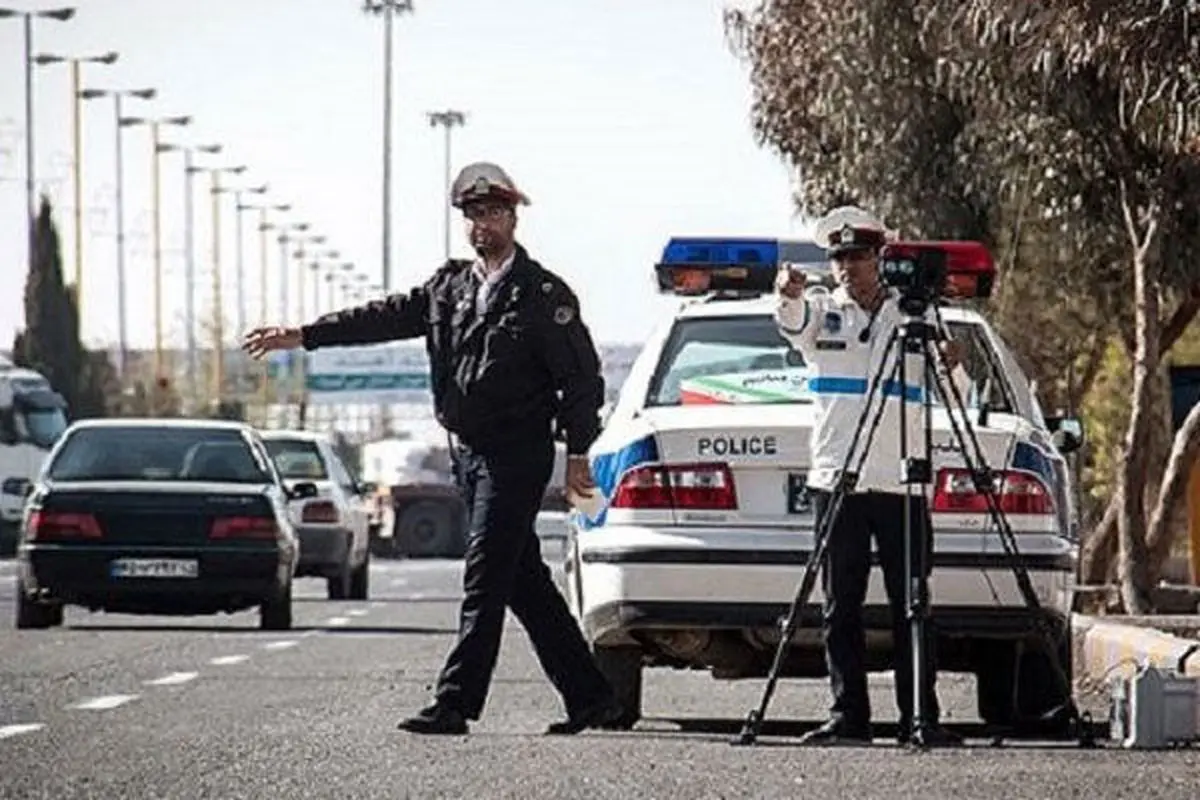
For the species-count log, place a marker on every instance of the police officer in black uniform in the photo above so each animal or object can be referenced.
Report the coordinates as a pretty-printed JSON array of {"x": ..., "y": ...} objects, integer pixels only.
[{"x": 509, "y": 356}]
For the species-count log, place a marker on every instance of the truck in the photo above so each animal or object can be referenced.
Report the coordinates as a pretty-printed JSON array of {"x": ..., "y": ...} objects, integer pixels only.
[
  {"x": 32, "y": 418},
  {"x": 418, "y": 509}
]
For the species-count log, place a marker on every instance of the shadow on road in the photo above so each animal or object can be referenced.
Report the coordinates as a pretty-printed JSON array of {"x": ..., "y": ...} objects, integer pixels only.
[{"x": 783, "y": 733}]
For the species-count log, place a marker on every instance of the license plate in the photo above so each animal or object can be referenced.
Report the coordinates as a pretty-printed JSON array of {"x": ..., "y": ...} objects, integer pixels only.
[
  {"x": 154, "y": 568},
  {"x": 798, "y": 500}
]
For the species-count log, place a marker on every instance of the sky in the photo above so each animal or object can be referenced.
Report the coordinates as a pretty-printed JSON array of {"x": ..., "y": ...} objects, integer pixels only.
[{"x": 625, "y": 121}]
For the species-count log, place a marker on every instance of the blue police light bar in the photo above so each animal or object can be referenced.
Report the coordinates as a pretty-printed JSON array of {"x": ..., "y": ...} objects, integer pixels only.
[{"x": 700, "y": 265}]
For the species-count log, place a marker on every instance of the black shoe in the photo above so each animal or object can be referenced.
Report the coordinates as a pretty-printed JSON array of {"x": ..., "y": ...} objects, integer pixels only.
[
  {"x": 596, "y": 715},
  {"x": 436, "y": 719},
  {"x": 932, "y": 736},
  {"x": 837, "y": 732}
]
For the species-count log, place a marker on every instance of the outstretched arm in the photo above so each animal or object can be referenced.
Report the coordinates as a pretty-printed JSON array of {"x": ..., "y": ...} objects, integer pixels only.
[{"x": 400, "y": 316}]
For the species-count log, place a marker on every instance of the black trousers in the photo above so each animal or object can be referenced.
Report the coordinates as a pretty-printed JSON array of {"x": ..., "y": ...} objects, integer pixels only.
[
  {"x": 845, "y": 574},
  {"x": 504, "y": 569}
]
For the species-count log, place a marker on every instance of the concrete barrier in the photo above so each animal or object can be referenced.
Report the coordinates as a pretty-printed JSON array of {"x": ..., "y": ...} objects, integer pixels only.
[{"x": 1106, "y": 648}]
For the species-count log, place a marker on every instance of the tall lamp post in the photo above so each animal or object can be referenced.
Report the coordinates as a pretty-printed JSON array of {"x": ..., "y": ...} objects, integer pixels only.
[
  {"x": 77, "y": 153},
  {"x": 218, "y": 303},
  {"x": 303, "y": 252},
  {"x": 155, "y": 124},
  {"x": 27, "y": 17},
  {"x": 388, "y": 9},
  {"x": 448, "y": 120},
  {"x": 122, "y": 318},
  {"x": 239, "y": 255},
  {"x": 189, "y": 246}
]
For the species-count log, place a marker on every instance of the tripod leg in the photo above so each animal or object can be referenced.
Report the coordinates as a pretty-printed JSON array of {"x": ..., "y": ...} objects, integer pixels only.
[
  {"x": 976, "y": 463},
  {"x": 754, "y": 719}
]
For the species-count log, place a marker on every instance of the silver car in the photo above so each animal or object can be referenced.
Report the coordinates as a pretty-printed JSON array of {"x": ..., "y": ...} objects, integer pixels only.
[{"x": 333, "y": 525}]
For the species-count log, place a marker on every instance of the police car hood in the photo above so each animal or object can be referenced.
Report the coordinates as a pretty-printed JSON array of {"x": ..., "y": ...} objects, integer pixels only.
[{"x": 766, "y": 448}]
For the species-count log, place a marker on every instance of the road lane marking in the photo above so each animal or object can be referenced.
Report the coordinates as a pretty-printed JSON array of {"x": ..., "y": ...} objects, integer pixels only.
[
  {"x": 398, "y": 582},
  {"x": 105, "y": 703},
  {"x": 281, "y": 645},
  {"x": 16, "y": 730},
  {"x": 174, "y": 679},
  {"x": 357, "y": 612},
  {"x": 227, "y": 661},
  {"x": 337, "y": 622}
]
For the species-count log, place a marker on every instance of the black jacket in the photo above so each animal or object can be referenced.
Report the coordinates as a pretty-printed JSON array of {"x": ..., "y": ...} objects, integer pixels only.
[{"x": 527, "y": 360}]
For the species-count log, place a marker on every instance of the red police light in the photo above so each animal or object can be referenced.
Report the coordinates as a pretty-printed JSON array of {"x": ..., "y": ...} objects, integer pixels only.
[{"x": 970, "y": 269}]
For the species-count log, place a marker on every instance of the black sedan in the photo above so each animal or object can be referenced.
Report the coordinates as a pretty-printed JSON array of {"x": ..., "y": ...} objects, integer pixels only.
[{"x": 157, "y": 516}]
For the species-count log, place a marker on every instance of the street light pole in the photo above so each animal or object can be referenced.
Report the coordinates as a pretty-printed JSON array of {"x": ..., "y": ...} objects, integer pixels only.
[
  {"x": 189, "y": 247},
  {"x": 156, "y": 203},
  {"x": 218, "y": 302},
  {"x": 448, "y": 119},
  {"x": 122, "y": 321},
  {"x": 62, "y": 15},
  {"x": 77, "y": 148},
  {"x": 241, "y": 262},
  {"x": 388, "y": 10}
]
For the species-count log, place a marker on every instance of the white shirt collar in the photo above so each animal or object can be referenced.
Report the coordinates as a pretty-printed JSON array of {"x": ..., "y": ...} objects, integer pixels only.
[{"x": 493, "y": 277}]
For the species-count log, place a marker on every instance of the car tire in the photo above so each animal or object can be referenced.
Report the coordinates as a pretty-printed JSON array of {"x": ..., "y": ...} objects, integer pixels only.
[
  {"x": 622, "y": 666},
  {"x": 430, "y": 528},
  {"x": 360, "y": 579},
  {"x": 275, "y": 613},
  {"x": 1017, "y": 688},
  {"x": 35, "y": 615},
  {"x": 338, "y": 586}
]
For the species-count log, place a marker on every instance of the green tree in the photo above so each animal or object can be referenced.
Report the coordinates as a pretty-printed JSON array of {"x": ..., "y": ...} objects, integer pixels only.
[
  {"x": 1056, "y": 133},
  {"x": 50, "y": 342}
]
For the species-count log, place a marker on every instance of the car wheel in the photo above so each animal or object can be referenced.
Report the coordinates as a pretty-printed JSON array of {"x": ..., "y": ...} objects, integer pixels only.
[
  {"x": 275, "y": 613},
  {"x": 429, "y": 528},
  {"x": 338, "y": 586},
  {"x": 35, "y": 615},
  {"x": 360, "y": 579},
  {"x": 622, "y": 666}
]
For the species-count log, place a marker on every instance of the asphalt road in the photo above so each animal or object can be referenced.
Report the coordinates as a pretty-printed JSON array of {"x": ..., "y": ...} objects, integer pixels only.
[{"x": 140, "y": 707}]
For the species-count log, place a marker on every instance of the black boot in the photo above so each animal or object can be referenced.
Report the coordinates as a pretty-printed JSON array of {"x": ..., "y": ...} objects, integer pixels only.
[
  {"x": 838, "y": 732},
  {"x": 596, "y": 715},
  {"x": 933, "y": 735},
  {"x": 436, "y": 719}
]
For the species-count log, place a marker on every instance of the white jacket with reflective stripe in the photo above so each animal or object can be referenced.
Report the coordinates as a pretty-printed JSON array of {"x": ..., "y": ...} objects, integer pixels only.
[{"x": 827, "y": 328}]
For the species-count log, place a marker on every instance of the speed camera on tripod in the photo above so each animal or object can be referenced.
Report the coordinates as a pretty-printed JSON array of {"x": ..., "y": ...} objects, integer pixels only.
[{"x": 924, "y": 272}]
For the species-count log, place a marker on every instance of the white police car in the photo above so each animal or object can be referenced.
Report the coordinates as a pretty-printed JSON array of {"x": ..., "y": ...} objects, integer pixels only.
[{"x": 705, "y": 529}]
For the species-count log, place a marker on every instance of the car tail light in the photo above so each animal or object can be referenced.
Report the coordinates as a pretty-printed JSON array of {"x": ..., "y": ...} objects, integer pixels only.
[
  {"x": 45, "y": 525},
  {"x": 320, "y": 511},
  {"x": 682, "y": 486},
  {"x": 1018, "y": 493},
  {"x": 243, "y": 528}
]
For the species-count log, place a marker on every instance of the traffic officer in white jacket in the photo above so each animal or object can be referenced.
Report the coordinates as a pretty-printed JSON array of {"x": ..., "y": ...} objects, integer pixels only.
[{"x": 843, "y": 336}]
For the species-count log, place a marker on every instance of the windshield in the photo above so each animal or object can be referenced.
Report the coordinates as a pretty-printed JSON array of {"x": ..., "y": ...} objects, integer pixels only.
[
  {"x": 40, "y": 427},
  {"x": 740, "y": 360},
  {"x": 157, "y": 454},
  {"x": 297, "y": 459},
  {"x": 744, "y": 361}
]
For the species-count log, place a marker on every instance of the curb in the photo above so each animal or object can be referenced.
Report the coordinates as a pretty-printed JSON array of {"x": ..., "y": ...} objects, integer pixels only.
[{"x": 1106, "y": 649}]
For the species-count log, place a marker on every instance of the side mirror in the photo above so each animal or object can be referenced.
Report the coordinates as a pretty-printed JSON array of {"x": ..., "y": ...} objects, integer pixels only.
[
  {"x": 302, "y": 491},
  {"x": 367, "y": 487},
  {"x": 28, "y": 488},
  {"x": 1066, "y": 433}
]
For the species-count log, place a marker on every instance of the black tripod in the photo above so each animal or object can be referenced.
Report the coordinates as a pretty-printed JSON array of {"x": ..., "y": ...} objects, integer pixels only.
[{"x": 916, "y": 336}]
